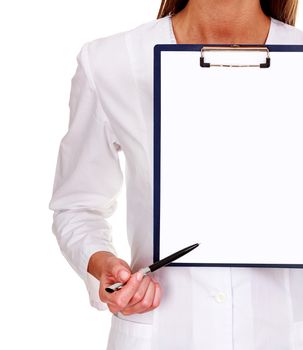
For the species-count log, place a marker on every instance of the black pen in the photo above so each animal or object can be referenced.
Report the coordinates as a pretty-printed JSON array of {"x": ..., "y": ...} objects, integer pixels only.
[{"x": 116, "y": 286}]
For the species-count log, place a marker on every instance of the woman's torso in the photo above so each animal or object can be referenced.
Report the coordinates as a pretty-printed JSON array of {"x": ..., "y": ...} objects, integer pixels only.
[{"x": 220, "y": 308}]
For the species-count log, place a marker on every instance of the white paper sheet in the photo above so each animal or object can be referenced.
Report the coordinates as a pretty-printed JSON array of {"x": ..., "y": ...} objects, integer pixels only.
[{"x": 232, "y": 160}]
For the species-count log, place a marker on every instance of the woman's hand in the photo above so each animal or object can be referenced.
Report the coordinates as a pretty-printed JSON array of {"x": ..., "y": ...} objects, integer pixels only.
[{"x": 139, "y": 294}]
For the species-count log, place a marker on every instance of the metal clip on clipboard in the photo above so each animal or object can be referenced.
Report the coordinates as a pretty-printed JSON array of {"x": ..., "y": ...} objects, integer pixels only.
[{"x": 234, "y": 48}]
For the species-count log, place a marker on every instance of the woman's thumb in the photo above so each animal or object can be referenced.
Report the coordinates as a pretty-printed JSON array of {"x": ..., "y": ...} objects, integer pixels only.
[
  {"x": 120, "y": 272},
  {"x": 123, "y": 275}
]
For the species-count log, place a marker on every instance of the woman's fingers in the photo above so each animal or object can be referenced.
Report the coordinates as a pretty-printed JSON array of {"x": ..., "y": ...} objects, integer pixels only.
[
  {"x": 140, "y": 293},
  {"x": 157, "y": 296},
  {"x": 150, "y": 300},
  {"x": 120, "y": 298}
]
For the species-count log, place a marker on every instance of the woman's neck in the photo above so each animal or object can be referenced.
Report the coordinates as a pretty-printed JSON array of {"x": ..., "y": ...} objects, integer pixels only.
[{"x": 221, "y": 22}]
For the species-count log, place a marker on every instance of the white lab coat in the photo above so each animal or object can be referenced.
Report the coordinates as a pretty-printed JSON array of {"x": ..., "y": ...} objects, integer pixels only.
[{"x": 111, "y": 110}]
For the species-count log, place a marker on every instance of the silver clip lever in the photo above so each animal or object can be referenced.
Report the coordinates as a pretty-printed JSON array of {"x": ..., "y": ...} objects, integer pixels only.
[{"x": 235, "y": 48}]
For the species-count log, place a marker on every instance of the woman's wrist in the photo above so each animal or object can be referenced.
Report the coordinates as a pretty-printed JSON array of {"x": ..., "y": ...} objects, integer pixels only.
[{"x": 97, "y": 261}]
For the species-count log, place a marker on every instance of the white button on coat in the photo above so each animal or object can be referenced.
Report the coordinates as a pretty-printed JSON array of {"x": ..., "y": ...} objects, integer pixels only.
[
  {"x": 111, "y": 109},
  {"x": 220, "y": 297}
]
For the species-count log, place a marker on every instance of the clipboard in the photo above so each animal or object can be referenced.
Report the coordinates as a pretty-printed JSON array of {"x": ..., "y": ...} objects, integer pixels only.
[{"x": 228, "y": 154}]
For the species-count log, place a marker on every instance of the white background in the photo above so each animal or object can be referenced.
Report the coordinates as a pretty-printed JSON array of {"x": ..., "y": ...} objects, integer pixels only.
[{"x": 43, "y": 303}]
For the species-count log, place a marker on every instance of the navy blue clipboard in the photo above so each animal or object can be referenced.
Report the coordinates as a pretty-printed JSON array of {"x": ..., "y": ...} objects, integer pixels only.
[{"x": 158, "y": 50}]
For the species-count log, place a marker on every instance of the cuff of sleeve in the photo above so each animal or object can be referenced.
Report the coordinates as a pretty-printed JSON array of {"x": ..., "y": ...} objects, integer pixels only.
[
  {"x": 92, "y": 283},
  {"x": 92, "y": 286}
]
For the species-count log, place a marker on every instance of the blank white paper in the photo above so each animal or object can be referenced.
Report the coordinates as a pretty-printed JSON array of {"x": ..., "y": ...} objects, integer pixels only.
[{"x": 232, "y": 160}]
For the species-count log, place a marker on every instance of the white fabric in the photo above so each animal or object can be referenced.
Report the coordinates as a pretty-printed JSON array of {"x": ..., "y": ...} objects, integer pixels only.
[{"x": 111, "y": 109}]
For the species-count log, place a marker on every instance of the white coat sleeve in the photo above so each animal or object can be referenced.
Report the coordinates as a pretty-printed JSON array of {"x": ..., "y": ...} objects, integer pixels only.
[{"x": 88, "y": 179}]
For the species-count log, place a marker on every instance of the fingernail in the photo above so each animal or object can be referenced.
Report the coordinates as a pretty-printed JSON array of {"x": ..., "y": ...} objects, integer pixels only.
[
  {"x": 139, "y": 276},
  {"x": 123, "y": 275}
]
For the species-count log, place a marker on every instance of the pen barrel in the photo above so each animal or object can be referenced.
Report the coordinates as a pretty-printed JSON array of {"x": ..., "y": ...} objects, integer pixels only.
[
  {"x": 116, "y": 286},
  {"x": 172, "y": 257}
]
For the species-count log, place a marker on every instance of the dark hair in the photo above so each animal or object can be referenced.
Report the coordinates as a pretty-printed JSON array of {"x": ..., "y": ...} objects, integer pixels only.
[{"x": 282, "y": 10}]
